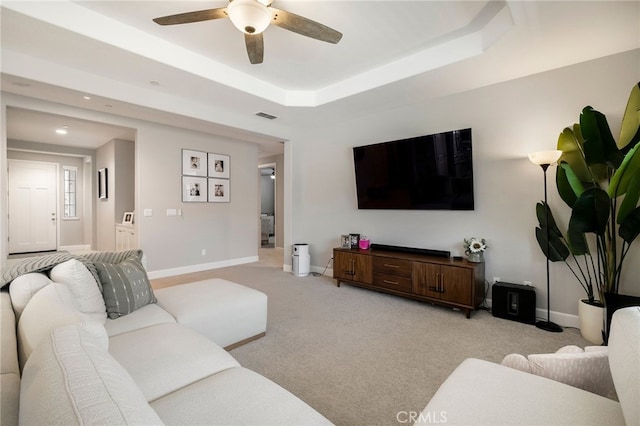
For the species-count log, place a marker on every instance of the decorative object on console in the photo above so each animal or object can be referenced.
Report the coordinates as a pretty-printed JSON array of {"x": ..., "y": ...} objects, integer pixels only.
[
  {"x": 355, "y": 240},
  {"x": 544, "y": 159},
  {"x": 474, "y": 249},
  {"x": 364, "y": 243},
  {"x": 345, "y": 241}
]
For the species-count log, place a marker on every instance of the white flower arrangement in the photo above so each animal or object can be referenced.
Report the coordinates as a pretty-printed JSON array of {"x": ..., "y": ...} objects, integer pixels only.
[{"x": 474, "y": 245}]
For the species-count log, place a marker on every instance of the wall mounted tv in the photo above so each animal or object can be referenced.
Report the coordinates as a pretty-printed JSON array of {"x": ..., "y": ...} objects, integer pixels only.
[{"x": 432, "y": 172}]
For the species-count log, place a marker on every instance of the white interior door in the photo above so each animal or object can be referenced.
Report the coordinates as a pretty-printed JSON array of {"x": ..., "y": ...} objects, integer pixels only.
[{"x": 32, "y": 206}]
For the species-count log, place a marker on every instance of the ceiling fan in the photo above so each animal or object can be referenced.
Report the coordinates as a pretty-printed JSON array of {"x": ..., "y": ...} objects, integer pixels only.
[{"x": 252, "y": 17}]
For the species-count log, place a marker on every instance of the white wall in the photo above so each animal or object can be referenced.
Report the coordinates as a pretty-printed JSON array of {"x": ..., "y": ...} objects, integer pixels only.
[{"x": 508, "y": 121}]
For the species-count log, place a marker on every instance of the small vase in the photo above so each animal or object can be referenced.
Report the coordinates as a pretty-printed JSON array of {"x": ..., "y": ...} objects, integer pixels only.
[{"x": 476, "y": 257}]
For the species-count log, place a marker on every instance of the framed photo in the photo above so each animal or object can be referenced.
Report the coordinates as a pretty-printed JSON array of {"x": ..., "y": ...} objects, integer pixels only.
[
  {"x": 345, "y": 241},
  {"x": 355, "y": 240},
  {"x": 194, "y": 189},
  {"x": 127, "y": 219},
  {"x": 103, "y": 183},
  {"x": 218, "y": 166},
  {"x": 194, "y": 163},
  {"x": 219, "y": 190}
]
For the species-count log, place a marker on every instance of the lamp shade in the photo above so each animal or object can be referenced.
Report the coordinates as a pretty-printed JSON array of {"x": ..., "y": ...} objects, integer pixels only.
[
  {"x": 544, "y": 157},
  {"x": 249, "y": 16}
]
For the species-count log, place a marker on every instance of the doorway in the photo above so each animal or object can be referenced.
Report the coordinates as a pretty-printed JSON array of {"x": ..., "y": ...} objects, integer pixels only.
[
  {"x": 267, "y": 205},
  {"x": 33, "y": 212}
]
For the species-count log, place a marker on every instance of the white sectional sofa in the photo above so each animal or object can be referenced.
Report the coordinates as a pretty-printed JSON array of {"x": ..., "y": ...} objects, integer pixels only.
[
  {"x": 73, "y": 360},
  {"x": 483, "y": 393}
]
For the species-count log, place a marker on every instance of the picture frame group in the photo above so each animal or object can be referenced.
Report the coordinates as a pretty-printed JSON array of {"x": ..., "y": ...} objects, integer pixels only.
[{"x": 205, "y": 177}]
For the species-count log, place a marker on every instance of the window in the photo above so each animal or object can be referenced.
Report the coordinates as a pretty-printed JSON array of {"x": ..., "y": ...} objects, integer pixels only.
[{"x": 70, "y": 192}]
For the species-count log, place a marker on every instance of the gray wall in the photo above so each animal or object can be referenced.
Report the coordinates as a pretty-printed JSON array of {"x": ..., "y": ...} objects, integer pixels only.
[
  {"x": 117, "y": 156},
  {"x": 509, "y": 120}
]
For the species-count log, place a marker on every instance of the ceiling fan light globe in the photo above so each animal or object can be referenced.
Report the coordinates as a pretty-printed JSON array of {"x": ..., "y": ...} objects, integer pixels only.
[{"x": 249, "y": 16}]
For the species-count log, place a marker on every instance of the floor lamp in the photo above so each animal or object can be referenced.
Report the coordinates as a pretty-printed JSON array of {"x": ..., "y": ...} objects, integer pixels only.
[{"x": 544, "y": 159}]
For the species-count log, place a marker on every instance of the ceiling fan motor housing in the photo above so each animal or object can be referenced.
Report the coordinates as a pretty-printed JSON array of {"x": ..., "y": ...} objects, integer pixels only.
[{"x": 249, "y": 16}]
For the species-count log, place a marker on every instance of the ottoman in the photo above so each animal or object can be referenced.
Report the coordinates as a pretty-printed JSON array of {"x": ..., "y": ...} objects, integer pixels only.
[{"x": 227, "y": 313}]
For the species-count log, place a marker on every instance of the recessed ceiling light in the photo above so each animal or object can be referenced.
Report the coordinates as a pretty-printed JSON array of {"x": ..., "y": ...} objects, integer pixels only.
[
  {"x": 154, "y": 83},
  {"x": 86, "y": 97},
  {"x": 62, "y": 131},
  {"x": 108, "y": 106}
]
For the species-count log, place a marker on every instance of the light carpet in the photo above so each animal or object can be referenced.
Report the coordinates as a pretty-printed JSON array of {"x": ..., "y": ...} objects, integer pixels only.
[{"x": 360, "y": 357}]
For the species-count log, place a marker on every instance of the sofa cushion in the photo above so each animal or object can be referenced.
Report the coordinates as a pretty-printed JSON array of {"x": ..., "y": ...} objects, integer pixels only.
[
  {"x": 49, "y": 308},
  {"x": 166, "y": 357},
  {"x": 588, "y": 369},
  {"x": 24, "y": 287},
  {"x": 71, "y": 379},
  {"x": 83, "y": 287},
  {"x": 484, "y": 393},
  {"x": 624, "y": 360},
  {"x": 223, "y": 311},
  {"x": 236, "y": 397},
  {"x": 125, "y": 286},
  {"x": 10, "y": 370},
  {"x": 146, "y": 316}
]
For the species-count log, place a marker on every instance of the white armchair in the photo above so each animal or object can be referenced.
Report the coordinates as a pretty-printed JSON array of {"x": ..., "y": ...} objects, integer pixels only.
[{"x": 586, "y": 369}]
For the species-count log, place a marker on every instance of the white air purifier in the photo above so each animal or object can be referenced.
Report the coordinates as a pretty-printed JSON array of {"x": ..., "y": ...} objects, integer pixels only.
[{"x": 301, "y": 261}]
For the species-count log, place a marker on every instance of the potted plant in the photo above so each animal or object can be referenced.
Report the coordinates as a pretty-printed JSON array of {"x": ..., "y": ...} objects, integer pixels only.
[{"x": 599, "y": 179}]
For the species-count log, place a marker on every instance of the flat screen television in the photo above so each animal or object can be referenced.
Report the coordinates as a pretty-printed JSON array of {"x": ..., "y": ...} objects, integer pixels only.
[{"x": 431, "y": 172}]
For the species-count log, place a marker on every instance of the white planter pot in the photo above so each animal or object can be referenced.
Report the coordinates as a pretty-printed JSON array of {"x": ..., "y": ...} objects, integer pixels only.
[{"x": 591, "y": 321}]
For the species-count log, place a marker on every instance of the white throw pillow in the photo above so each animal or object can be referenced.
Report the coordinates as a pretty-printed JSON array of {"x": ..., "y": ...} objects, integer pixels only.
[
  {"x": 83, "y": 287},
  {"x": 24, "y": 287}
]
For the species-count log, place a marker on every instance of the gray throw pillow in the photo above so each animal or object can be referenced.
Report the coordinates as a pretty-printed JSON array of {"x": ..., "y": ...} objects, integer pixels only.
[{"x": 125, "y": 286}]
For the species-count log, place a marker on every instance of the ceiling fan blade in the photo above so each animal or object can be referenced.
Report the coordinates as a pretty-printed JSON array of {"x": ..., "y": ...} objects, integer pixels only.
[
  {"x": 197, "y": 16},
  {"x": 255, "y": 47},
  {"x": 306, "y": 27}
]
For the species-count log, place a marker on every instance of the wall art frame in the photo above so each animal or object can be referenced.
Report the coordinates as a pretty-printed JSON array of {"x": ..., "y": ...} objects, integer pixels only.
[
  {"x": 103, "y": 183},
  {"x": 194, "y": 189},
  {"x": 219, "y": 165},
  {"x": 194, "y": 163},
  {"x": 219, "y": 190}
]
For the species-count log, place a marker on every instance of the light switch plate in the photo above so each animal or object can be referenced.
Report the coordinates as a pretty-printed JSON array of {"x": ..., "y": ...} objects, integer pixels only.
[
  {"x": 171, "y": 212},
  {"x": 148, "y": 212}
]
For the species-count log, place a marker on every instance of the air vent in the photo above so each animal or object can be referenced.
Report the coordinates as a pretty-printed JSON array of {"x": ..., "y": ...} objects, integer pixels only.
[{"x": 265, "y": 115}]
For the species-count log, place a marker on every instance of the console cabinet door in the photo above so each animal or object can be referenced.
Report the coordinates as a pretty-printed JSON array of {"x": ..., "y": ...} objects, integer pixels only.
[
  {"x": 456, "y": 285},
  {"x": 352, "y": 267},
  {"x": 426, "y": 279}
]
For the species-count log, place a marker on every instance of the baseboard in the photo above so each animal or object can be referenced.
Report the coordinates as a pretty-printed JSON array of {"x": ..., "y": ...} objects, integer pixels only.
[
  {"x": 560, "y": 318},
  {"x": 79, "y": 247},
  {"x": 200, "y": 267}
]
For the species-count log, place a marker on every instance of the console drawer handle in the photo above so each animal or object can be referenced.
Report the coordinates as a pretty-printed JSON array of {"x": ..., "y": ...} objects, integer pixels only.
[
  {"x": 388, "y": 265},
  {"x": 391, "y": 282}
]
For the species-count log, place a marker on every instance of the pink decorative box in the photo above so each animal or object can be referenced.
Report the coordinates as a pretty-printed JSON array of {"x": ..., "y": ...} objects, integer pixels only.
[{"x": 364, "y": 244}]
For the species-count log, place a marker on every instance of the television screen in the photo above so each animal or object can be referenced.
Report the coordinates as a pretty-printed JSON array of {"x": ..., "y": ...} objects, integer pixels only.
[{"x": 432, "y": 172}]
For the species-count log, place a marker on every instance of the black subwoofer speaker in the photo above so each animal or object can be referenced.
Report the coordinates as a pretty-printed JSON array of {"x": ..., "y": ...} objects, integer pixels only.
[{"x": 514, "y": 302}]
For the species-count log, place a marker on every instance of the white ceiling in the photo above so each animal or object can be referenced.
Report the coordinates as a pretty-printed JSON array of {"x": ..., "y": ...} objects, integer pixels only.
[{"x": 392, "y": 53}]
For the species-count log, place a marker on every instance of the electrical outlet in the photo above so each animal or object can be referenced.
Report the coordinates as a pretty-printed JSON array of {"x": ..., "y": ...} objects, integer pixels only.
[
  {"x": 204, "y": 252},
  {"x": 496, "y": 279}
]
